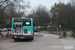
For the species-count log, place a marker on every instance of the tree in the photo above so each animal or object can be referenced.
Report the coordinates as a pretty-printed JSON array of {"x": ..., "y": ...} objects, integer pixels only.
[
  {"x": 4, "y": 4},
  {"x": 55, "y": 12},
  {"x": 12, "y": 9},
  {"x": 41, "y": 16},
  {"x": 62, "y": 12}
]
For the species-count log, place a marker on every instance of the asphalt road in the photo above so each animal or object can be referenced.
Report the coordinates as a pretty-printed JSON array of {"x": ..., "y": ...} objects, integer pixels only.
[{"x": 46, "y": 42}]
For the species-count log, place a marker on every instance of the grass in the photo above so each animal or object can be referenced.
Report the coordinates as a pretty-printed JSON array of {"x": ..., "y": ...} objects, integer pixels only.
[{"x": 10, "y": 35}]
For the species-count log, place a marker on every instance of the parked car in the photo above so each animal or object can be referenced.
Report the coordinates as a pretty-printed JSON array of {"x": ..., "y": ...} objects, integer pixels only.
[
  {"x": 4, "y": 29},
  {"x": 0, "y": 30},
  {"x": 9, "y": 29}
]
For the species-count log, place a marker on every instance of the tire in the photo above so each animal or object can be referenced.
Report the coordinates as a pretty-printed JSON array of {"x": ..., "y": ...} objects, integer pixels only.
[
  {"x": 15, "y": 39},
  {"x": 32, "y": 38}
]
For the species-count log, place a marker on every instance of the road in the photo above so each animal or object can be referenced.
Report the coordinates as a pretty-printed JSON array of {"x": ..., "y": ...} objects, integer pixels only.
[{"x": 46, "y": 42}]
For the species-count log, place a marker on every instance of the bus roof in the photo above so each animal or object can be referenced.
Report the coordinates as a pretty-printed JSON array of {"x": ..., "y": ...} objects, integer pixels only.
[{"x": 22, "y": 19}]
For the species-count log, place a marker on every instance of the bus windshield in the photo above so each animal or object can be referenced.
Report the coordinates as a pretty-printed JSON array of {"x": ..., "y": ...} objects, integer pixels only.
[{"x": 27, "y": 23}]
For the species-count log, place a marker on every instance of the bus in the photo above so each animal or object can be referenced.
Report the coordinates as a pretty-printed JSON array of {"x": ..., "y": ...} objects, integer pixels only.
[{"x": 22, "y": 28}]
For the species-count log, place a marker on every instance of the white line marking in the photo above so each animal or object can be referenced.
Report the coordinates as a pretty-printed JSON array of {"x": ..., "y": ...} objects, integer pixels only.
[
  {"x": 65, "y": 47},
  {"x": 68, "y": 47}
]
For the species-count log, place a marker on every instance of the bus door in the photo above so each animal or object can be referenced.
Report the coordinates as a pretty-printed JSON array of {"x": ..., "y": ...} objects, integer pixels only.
[
  {"x": 27, "y": 28},
  {"x": 17, "y": 30}
]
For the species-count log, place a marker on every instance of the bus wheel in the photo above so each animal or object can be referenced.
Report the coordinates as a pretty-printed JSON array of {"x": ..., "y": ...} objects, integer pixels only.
[
  {"x": 32, "y": 38},
  {"x": 15, "y": 39}
]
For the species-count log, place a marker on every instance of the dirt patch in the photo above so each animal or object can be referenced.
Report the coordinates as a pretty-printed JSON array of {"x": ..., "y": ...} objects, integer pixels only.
[
  {"x": 7, "y": 38},
  {"x": 61, "y": 36},
  {"x": 72, "y": 37}
]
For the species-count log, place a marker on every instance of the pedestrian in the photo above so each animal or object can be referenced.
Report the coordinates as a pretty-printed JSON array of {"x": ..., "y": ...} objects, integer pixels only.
[{"x": 64, "y": 33}]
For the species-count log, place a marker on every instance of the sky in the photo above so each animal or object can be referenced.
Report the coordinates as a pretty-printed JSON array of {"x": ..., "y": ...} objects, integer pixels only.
[{"x": 47, "y": 3}]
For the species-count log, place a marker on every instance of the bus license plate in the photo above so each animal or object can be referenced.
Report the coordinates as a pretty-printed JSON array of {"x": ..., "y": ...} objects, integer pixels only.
[{"x": 22, "y": 37}]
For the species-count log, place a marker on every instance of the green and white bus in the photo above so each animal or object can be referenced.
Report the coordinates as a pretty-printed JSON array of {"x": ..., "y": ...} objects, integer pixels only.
[{"x": 22, "y": 28}]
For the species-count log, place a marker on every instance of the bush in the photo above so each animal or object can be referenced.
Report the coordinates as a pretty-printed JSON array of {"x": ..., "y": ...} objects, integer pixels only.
[
  {"x": 10, "y": 35},
  {"x": 73, "y": 34}
]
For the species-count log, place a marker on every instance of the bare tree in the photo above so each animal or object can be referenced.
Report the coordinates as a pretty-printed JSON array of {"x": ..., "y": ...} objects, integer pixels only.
[
  {"x": 11, "y": 9},
  {"x": 19, "y": 4},
  {"x": 41, "y": 15}
]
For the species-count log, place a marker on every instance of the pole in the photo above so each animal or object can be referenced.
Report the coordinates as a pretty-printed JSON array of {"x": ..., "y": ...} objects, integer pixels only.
[
  {"x": 57, "y": 18},
  {"x": 72, "y": 15},
  {"x": 57, "y": 30}
]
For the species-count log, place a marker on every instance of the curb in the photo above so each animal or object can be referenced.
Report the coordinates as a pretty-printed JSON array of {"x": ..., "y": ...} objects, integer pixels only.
[{"x": 39, "y": 35}]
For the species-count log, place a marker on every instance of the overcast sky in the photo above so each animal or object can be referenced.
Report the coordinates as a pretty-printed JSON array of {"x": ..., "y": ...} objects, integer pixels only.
[{"x": 47, "y": 3}]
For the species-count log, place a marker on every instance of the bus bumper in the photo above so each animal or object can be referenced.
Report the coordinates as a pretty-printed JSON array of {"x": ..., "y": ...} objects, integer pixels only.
[{"x": 22, "y": 36}]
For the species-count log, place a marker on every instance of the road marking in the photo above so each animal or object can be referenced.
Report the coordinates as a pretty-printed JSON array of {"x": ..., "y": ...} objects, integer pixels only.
[
  {"x": 68, "y": 47},
  {"x": 65, "y": 47},
  {"x": 55, "y": 46}
]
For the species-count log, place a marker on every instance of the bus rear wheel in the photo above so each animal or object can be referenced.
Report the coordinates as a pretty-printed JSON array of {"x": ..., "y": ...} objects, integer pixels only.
[
  {"x": 15, "y": 39},
  {"x": 32, "y": 38}
]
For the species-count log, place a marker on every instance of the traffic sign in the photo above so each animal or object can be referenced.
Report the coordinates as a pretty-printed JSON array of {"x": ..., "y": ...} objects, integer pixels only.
[{"x": 64, "y": 21}]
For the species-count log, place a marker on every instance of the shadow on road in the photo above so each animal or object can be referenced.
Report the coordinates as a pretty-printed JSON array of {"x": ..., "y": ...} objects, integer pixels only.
[{"x": 26, "y": 40}]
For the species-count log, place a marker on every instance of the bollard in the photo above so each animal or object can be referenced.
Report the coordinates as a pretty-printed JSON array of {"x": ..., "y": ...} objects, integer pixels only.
[
  {"x": 64, "y": 33},
  {"x": 0, "y": 37},
  {"x": 49, "y": 31},
  {"x": 39, "y": 32},
  {"x": 4, "y": 36}
]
